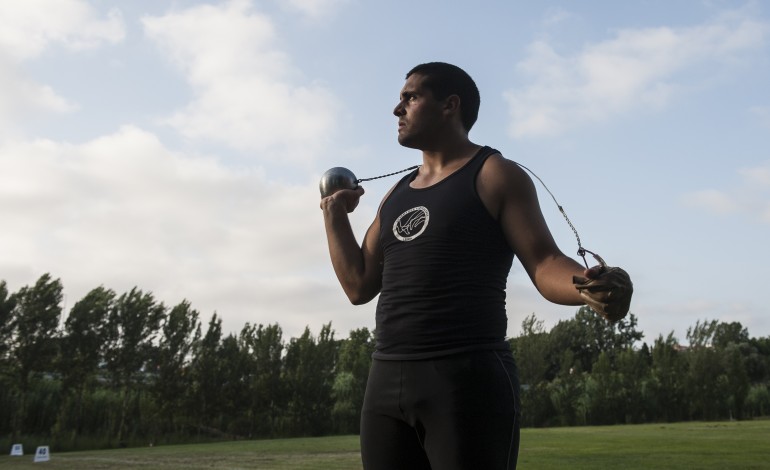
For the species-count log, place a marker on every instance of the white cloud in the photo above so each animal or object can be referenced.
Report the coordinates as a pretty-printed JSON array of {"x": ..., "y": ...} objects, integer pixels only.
[
  {"x": 123, "y": 211},
  {"x": 759, "y": 175},
  {"x": 314, "y": 9},
  {"x": 556, "y": 16},
  {"x": 21, "y": 98},
  {"x": 711, "y": 200},
  {"x": 750, "y": 197},
  {"x": 638, "y": 68},
  {"x": 27, "y": 29},
  {"x": 247, "y": 92}
]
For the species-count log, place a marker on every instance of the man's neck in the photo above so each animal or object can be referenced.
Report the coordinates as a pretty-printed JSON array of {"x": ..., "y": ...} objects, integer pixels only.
[
  {"x": 448, "y": 154},
  {"x": 438, "y": 163}
]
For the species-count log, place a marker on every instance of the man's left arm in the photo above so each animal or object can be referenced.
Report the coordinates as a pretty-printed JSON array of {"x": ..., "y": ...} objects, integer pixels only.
[{"x": 510, "y": 196}]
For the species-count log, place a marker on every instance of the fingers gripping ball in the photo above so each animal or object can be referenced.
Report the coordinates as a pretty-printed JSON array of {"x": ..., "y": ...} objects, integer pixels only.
[
  {"x": 609, "y": 294},
  {"x": 335, "y": 179}
]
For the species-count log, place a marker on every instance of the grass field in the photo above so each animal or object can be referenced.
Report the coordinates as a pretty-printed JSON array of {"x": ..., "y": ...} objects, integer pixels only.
[{"x": 694, "y": 445}]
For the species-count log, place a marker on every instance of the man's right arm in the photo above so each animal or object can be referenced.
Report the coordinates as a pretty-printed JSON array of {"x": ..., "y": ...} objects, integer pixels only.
[{"x": 358, "y": 268}]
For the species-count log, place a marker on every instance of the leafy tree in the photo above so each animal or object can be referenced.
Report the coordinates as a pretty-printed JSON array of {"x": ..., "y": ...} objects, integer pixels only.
[
  {"x": 758, "y": 360},
  {"x": 727, "y": 333},
  {"x": 133, "y": 325},
  {"x": 645, "y": 354},
  {"x": 605, "y": 395},
  {"x": 704, "y": 386},
  {"x": 619, "y": 392},
  {"x": 587, "y": 335},
  {"x": 7, "y": 304},
  {"x": 6, "y": 333},
  {"x": 309, "y": 375},
  {"x": 82, "y": 349},
  {"x": 36, "y": 314},
  {"x": 633, "y": 377},
  {"x": 236, "y": 373},
  {"x": 668, "y": 372},
  {"x": 736, "y": 379},
  {"x": 180, "y": 331},
  {"x": 6, "y": 383},
  {"x": 718, "y": 379},
  {"x": 530, "y": 350},
  {"x": 355, "y": 357},
  {"x": 203, "y": 398},
  {"x": 344, "y": 412},
  {"x": 758, "y": 401},
  {"x": 701, "y": 335},
  {"x": 536, "y": 367},
  {"x": 268, "y": 399},
  {"x": 567, "y": 391}
]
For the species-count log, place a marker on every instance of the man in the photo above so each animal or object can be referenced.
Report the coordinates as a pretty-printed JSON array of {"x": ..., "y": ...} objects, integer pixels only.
[{"x": 443, "y": 387}]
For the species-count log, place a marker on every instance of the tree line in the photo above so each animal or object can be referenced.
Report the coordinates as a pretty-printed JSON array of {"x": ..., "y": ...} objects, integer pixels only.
[
  {"x": 586, "y": 371},
  {"x": 125, "y": 369}
]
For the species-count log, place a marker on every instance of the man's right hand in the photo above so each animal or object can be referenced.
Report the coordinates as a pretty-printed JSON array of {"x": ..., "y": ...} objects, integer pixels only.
[{"x": 345, "y": 198}]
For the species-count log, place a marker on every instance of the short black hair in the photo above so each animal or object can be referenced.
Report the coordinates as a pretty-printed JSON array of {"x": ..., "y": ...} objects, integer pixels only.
[{"x": 446, "y": 79}]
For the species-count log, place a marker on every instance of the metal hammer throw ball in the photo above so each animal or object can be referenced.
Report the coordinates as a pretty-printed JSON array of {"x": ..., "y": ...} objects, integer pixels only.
[{"x": 335, "y": 179}]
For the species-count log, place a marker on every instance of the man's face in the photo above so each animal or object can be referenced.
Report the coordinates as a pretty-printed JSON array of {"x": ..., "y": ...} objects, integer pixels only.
[{"x": 419, "y": 114}]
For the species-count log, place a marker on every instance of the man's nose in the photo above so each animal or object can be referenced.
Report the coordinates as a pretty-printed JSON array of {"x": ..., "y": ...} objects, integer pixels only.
[{"x": 399, "y": 109}]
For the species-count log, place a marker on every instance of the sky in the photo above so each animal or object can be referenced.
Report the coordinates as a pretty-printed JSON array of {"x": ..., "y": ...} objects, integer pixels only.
[{"x": 177, "y": 146}]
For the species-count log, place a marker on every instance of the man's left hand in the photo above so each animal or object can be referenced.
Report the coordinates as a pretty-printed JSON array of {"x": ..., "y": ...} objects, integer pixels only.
[{"x": 607, "y": 290}]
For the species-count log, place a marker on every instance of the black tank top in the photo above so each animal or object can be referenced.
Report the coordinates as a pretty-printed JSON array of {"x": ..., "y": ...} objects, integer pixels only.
[{"x": 446, "y": 263}]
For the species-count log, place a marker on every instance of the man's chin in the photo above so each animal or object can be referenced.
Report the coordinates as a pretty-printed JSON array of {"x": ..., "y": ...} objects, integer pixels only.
[{"x": 405, "y": 141}]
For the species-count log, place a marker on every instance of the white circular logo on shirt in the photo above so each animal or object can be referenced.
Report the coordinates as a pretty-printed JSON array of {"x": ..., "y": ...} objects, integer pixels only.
[{"x": 411, "y": 223}]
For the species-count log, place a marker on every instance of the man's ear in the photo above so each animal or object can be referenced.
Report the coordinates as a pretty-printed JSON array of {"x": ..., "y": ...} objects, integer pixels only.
[
  {"x": 452, "y": 103},
  {"x": 452, "y": 106}
]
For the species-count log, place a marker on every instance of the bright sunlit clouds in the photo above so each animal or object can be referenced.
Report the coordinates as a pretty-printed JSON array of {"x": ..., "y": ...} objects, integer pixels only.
[
  {"x": 177, "y": 148},
  {"x": 244, "y": 85},
  {"x": 29, "y": 28},
  {"x": 637, "y": 68}
]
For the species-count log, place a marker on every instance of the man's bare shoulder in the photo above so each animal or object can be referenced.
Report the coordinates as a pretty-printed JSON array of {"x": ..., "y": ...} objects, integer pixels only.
[
  {"x": 502, "y": 183},
  {"x": 501, "y": 173}
]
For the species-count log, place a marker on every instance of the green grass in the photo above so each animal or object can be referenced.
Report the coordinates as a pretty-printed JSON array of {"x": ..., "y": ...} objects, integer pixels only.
[
  {"x": 694, "y": 445},
  {"x": 720, "y": 445}
]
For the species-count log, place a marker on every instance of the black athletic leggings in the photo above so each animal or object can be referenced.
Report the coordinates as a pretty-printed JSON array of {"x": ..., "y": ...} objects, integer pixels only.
[{"x": 459, "y": 412}]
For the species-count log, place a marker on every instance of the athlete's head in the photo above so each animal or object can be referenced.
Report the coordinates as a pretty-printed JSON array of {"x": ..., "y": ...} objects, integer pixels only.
[{"x": 443, "y": 80}]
